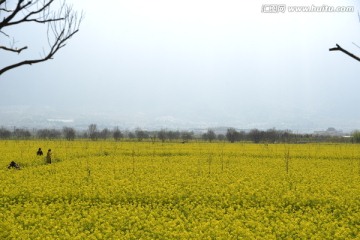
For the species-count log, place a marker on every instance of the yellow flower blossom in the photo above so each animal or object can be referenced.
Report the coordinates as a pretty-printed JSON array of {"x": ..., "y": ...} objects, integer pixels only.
[{"x": 143, "y": 190}]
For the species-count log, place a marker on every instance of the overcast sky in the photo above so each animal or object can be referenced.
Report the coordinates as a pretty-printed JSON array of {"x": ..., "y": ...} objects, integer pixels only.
[{"x": 216, "y": 63}]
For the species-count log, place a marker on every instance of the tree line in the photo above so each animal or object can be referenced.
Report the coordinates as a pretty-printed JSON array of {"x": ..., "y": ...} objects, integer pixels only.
[{"x": 231, "y": 135}]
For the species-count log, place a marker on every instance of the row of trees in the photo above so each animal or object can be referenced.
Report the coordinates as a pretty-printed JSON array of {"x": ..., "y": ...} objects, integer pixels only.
[
  {"x": 94, "y": 133},
  {"x": 232, "y": 135}
]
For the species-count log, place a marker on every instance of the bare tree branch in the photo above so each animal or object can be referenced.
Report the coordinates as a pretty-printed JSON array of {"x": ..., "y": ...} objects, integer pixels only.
[
  {"x": 27, "y": 18},
  {"x": 14, "y": 12},
  {"x": 338, "y": 48},
  {"x": 61, "y": 25},
  {"x": 13, "y": 49},
  {"x": 59, "y": 43}
]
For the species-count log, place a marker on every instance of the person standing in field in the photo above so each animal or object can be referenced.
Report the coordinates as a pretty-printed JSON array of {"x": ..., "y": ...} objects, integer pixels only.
[
  {"x": 48, "y": 156},
  {"x": 39, "y": 152}
]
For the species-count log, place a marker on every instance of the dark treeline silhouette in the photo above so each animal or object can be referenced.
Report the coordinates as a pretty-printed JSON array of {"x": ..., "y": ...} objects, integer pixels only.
[
  {"x": 231, "y": 135},
  {"x": 17, "y": 133}
]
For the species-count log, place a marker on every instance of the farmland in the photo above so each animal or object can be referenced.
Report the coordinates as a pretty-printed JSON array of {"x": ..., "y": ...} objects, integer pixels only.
[{"x": 197, "y": 190}]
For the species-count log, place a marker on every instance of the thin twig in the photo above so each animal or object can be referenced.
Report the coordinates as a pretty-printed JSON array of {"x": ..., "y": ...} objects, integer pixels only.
[{"x": 355, "y": 44}]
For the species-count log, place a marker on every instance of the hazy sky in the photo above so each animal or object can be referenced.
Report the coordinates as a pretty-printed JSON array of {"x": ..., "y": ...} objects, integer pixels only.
[{"x": 207, "y": 62}]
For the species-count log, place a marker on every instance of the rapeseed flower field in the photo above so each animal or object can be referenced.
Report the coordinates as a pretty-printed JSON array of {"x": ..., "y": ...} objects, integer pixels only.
[{"x": 197, "y": 190}]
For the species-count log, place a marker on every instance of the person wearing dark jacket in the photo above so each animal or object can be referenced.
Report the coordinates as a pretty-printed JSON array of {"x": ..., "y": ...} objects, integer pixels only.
[
  {"x": 13, "y": 165},
  {"x": 39, "y": 152}
]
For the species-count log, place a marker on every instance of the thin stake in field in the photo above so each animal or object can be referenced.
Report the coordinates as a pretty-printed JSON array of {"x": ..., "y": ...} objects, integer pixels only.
[
  {"x": 133, "y": 160},
  {"x": 222, "y": 160},
  {"x": 287, "y": 158},
  {"x": 209, "y": 162},
  {"x": 359, "y": 165}
]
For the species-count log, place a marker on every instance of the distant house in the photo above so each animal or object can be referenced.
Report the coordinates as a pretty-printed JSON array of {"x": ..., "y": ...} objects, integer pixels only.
[{"x": 330, "y": 132}]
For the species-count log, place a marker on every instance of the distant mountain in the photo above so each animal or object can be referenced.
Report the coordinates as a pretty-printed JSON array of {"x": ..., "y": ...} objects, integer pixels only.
[{"x": 48, "y": 117}]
